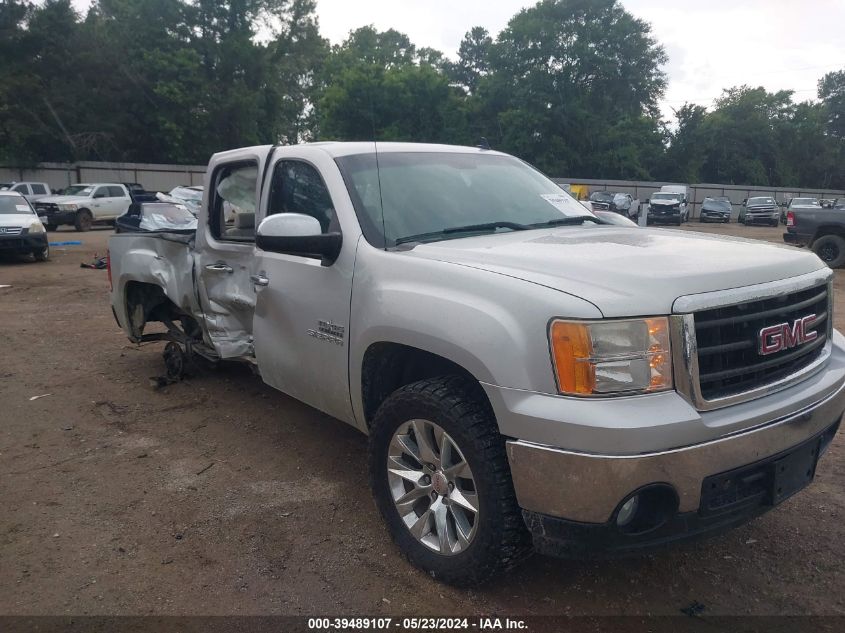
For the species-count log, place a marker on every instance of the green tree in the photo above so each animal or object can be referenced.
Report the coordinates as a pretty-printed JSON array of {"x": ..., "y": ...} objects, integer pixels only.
[
  {"x": 378, "y": 85},
  {"x": 473, "y": 59},
  {"x": 571, "y": 84},
  {"x": 832, "y": 94}
]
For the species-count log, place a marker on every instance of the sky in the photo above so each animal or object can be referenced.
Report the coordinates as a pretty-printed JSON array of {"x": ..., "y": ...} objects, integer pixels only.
[{"x": 712, "y": 44}]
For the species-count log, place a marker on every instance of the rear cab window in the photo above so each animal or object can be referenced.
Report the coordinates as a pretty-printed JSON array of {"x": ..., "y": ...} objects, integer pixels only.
[{"x": 233, "y": 203}]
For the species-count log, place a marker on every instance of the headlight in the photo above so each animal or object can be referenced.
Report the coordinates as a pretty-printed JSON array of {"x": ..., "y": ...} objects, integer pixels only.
[
  {"x": 607, "y": 357},
  {"x": 67, "y": 207},
  {"x": 36, "y": 227}
]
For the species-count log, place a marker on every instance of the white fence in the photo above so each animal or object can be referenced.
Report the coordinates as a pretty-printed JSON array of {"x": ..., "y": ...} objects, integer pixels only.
[
  {"x": 165, "y": 177},
  {"x": 153, "y": 177}
]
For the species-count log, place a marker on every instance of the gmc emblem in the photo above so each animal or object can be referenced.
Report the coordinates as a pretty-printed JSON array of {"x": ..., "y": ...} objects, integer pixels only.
[{"x": 776, "y": 338}]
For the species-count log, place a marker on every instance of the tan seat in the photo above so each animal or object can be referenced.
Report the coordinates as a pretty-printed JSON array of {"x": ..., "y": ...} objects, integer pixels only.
[{"x": 244, "y": 226}]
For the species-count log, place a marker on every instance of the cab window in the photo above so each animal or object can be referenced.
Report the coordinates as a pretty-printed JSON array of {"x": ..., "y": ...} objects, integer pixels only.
[{"x": 232, "y": 209}]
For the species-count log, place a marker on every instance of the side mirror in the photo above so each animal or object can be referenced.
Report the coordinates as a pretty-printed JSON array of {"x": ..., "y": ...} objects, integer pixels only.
[
  {"x": 647, "y": 201},
  {"x": 298, "y": 234}
]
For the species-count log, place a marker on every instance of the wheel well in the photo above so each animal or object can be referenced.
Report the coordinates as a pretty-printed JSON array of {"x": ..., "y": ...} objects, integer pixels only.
[
  {"x": 147, "y": 302},
  {"x": 828, "y": 229},
  {"x": 388, "y": 366}
]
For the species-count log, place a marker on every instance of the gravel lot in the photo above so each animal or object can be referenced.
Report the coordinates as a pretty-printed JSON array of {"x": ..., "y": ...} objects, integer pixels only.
[{"x": 218, "y": 495}]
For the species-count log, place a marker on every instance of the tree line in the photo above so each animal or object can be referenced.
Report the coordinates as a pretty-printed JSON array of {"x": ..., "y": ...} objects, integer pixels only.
[{"x": 572, "y": 86}]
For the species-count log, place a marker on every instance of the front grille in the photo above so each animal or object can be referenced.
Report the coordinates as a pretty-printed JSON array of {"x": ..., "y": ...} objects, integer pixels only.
[
  {"x": 46, "y": 206},
  {"x": 10, "y": 230},
  {"x": 729, "y": 359}
]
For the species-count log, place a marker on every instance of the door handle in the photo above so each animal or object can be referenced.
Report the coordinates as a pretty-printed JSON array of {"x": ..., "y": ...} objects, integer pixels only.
[
  {"x": 220, "y": 267},
  {"x": 259, "y": 280}
]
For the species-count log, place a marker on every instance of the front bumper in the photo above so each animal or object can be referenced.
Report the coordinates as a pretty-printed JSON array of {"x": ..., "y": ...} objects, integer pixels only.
[
  {"x": 23, "y": 244},
  {"x": 588, "y": 487},
  {"x": 714, "y": 216},
  {"x": 729, "y": 499},
  {"x": 664, "y": 215},
  {"x": 53, "y": 216},
  {"x": 767, "y": 216}
]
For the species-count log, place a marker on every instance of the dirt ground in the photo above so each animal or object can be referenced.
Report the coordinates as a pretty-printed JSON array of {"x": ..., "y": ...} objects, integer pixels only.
[{"x": 218, "y": 495}]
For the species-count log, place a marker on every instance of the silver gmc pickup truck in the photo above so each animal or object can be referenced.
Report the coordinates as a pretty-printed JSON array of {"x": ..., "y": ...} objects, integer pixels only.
[{"x": 528, "y": 375}]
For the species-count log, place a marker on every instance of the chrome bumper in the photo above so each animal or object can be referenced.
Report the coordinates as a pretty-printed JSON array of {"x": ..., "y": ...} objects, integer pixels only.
[{"x": 588, "y": 487}]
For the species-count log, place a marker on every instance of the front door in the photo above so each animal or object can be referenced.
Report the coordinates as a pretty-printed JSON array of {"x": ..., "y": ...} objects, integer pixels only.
[
  {"x": 226, "y": 244},
  {"x": 302, "y": 313}
]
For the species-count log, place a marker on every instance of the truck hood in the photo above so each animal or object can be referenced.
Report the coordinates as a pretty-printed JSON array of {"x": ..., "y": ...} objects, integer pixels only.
[
  {"x": 665, "y": 203},
  {"x": 625, "y": 271},
  {"x": 18, "y": 219},
  {"x": 64, "y": 199}
]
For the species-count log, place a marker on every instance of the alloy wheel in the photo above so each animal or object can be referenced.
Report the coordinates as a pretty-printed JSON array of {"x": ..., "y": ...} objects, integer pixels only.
[{"x": 432, "y": 487}]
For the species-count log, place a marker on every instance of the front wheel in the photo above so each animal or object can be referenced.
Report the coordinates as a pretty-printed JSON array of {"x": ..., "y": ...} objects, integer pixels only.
[
  {"x": 83, "y": 220},
  {"x": 440, "y": 478},
  {"x": 42, "y": 255},
  {"x": 831, "y": 250}
]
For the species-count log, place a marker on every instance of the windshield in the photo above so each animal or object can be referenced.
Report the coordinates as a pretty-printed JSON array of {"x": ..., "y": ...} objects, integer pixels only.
[
  {"x": 715, "y": 203},
  {"x": 429, "y": 192},
  {"x": 14, "y": 205},
  {"x": 666, "y": 196},
  {"x": 601, "y": 196},
  {"x": 805, "y": 202},
  {"x": 754, "y": 201},
  {"x": 78, "y": 190}
]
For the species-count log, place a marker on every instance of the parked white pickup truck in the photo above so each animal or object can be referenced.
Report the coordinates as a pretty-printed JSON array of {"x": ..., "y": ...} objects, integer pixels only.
[
  {"x": 32, "y": 191},
  {"x": 524, "y": 371},
  {"x": 84, "y": 205}
]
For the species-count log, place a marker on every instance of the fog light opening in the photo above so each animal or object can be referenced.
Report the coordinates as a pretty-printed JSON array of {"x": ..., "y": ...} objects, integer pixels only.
[{"x": 646, "y": 509}]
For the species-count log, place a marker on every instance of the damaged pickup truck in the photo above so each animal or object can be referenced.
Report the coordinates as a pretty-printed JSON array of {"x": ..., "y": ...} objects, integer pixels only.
[{"x": 526, "y": 374}]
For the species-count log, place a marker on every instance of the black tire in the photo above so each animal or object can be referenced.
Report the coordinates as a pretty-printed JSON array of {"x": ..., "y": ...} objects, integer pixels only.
[
  {"x": 83, "y": 220},
  {"x": 727, "y": 220},
  {"x": 831, "y": 250},
  {"x": 42, "y": 255},
  {"x": 459, "y": 407},
  {"x": 775, "y": 223},
  {"x": 51, "y": 227}
]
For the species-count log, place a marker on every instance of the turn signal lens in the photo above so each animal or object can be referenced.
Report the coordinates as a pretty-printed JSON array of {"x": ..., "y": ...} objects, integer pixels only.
[
  {"x": 571, "y": 350},
  {"x": 609, "y": 357}
]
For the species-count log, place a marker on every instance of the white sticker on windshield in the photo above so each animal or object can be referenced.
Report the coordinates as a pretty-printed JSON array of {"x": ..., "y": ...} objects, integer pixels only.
[
  {"x": 21, "y": 207},
  {"x": 564, "y": 203}
]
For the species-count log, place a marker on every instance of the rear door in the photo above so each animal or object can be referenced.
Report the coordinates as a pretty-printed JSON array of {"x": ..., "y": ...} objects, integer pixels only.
[
  {"x": 100, "y": 206},
  {"x": 23, "y": 190},
  {"x": 226, "y": 245},
  {"x": 119, "y": 200},
  {"x": 39, "y": 190}
]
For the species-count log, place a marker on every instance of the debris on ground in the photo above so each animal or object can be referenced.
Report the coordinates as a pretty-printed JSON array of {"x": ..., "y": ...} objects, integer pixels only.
[
  {"x": 206, "y": 468},
  {"x": 70, "y": 243},
  {"x": 43, "y": 395},
  {"x": 99, "y": 263},
  {"x": 694, "y": 609},
  {"x": 159, "y": 382}
]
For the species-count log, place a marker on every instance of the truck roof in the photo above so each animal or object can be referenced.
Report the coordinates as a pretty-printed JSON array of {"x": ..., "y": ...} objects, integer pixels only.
[{"x": 343, "y": 148}]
